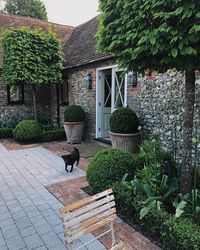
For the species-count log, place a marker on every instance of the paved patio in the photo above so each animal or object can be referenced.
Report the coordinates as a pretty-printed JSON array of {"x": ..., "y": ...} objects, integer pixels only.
[{"x": 29, "y": 216}]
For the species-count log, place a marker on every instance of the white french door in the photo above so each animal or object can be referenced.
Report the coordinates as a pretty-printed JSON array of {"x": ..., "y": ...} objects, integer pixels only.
[{"x": 111, "y": 94}]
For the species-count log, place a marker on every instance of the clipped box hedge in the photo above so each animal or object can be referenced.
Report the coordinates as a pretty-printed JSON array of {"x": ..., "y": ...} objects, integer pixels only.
[
  {"x": 53, "y": 135},
  {"x": 27, "y": 131},
  {"x": 6, "y": 133},
  {"x": 46, "y": 136},
  {"x": 109, "y": 166}
]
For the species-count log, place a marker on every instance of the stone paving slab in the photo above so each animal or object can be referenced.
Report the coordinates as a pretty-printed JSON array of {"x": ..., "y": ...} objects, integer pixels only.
[{"x": 29, "y": 217}]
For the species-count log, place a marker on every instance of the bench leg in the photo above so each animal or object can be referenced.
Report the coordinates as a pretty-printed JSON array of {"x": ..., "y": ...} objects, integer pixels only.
[{"x": 113, "y": 235}]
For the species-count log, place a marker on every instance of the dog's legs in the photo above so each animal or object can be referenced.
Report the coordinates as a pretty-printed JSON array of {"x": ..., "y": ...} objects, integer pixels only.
[
  {"x": 66, "y": 168},
  {"x": 72, "y": 166}
]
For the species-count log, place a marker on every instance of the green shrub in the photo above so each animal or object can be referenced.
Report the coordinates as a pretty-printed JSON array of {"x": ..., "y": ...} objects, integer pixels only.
[
  {"x": 153, "y": 225},
  {"x": 109, "y": 166},
  {"x": 74, "y": 113},
  {"x": 54, "y": 135},
  {"x": 152, "y": 153},
  {"x": 44, "y": 119},
  {"x": 174, "y": 234},
  {"x": 124, "y": 197},
  {"x": 124, "y": 120},
  {"x": 6, "y": 133},
  {"x": 27, "y": 131}
]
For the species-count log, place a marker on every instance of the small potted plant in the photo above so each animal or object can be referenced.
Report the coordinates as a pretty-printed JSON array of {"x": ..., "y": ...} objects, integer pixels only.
[
  {"x": 74, "y": 123},
  {"x": 124, "y": 132}
]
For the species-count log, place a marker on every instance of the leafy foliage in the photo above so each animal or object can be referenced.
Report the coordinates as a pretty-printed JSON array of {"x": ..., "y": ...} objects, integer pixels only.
[
  {"x": 124, "y": 120},
  {"x": 6, "y": 133},
  {"x": 53, "y": 135},
  {"x": 27, "y": 131},
  {"x": 189, "y": 205},
  {"x": 156, "y": 158},
  {"x": 148, "y": 34},
  {"x": 163, "y": 227},
  {"x": 124, "y": 197},
  {"x": 74, "y": 113},
  {"x": 153, "y": 189},
  {"x": 174, "y": 234},
  {"x": 109, "y": 166},
  {"x": 31, "y": 56},
  {"x": 153, "y": 196},
  {"x": 31, "y": 8}
]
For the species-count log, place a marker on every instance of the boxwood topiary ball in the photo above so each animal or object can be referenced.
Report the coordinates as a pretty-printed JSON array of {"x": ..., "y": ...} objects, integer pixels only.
[
  {"x": 74, "y": 113},
  {"x": 109, "y": 166},
  {"x": 27, "y": 131},
  {"x": 124, "y": 121}
]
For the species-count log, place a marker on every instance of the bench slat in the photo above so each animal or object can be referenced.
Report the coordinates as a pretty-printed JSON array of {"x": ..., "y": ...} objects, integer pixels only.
[
  {"x": 70, "y": 215},
  {"x": 85, "y": 201},
  {"x": 89, "y": 222},
  {"x": 91, "y": 229},
  {"x": 88, "y": 215}
]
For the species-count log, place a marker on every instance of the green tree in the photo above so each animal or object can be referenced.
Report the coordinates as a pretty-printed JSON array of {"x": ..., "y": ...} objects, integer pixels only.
[
  {"x": 31, "y": 8},
  {"x": 157, "y": 35},
  {"x": 31, "y": 57}
]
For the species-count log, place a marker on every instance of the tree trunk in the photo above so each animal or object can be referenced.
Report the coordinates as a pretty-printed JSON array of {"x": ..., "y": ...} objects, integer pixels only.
[
  {"x": 34, "y": 102},
  {"x": 187, "y": 168},
  {"x": 58, "y": 105}
]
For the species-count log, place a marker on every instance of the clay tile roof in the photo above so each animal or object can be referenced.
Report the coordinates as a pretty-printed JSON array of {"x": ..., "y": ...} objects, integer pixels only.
[
  {"x": 80, "y": 48},
  {"x": 8, "y": 21}
]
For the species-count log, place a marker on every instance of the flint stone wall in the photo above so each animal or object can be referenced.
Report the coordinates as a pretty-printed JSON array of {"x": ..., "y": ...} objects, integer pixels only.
[
  {"x": 11, "y": 115},
  {"x": 159, "y": 103}
]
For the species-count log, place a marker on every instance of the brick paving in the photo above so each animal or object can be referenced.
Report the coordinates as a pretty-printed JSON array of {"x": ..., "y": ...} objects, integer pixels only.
[
  {"x": 29, "y": 213},
  {"x": 70, "y": 191}
]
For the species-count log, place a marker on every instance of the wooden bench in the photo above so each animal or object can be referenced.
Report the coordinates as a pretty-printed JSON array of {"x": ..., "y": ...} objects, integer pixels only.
[{"x": 85, "y": 216}]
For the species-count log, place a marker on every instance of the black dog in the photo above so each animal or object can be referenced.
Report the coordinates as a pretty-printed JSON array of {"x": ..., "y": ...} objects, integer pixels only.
[{"x": 71, "y": 159}]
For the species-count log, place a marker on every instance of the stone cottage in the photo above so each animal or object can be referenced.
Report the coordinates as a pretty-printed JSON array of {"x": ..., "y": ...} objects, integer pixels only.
[
  {"x": 94, "y": 81},
  {"x": 16, "y": 102}
]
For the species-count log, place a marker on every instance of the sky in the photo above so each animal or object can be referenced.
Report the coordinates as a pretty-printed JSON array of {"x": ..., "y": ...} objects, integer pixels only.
[{"x": 71, "y": 12}]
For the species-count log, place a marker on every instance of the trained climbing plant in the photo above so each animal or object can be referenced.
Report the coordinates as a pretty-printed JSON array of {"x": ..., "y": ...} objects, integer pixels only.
[{"x": 31, "y": 57}]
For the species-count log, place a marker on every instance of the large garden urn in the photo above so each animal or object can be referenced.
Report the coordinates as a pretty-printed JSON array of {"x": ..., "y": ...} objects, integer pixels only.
[
  {"x": 124, "y": 133},
  {"x": 74, "y": 123}
]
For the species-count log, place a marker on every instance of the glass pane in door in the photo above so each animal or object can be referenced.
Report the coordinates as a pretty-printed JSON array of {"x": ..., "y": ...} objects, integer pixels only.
[
  {"x": 119, "y": 89},
  {"x": 107, "y": 90}
]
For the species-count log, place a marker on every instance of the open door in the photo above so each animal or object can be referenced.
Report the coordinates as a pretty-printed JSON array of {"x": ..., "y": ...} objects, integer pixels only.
[{"x": 111, "y": 94}]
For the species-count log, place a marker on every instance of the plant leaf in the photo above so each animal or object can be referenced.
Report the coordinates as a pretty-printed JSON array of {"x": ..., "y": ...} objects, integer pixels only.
[
  {"x": 174, "y": 52},
  {"x": 145, "y": 210},
  {"x": 124, "y": 177}
]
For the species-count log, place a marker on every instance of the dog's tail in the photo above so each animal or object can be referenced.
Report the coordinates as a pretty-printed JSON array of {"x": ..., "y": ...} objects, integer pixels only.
[{"x": 75, "y": 149}]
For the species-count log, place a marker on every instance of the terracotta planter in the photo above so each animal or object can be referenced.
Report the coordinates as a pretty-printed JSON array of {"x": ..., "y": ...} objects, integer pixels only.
[
  {"x": 126, "y": 142},
  {"x": 74, "y": 131}
]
